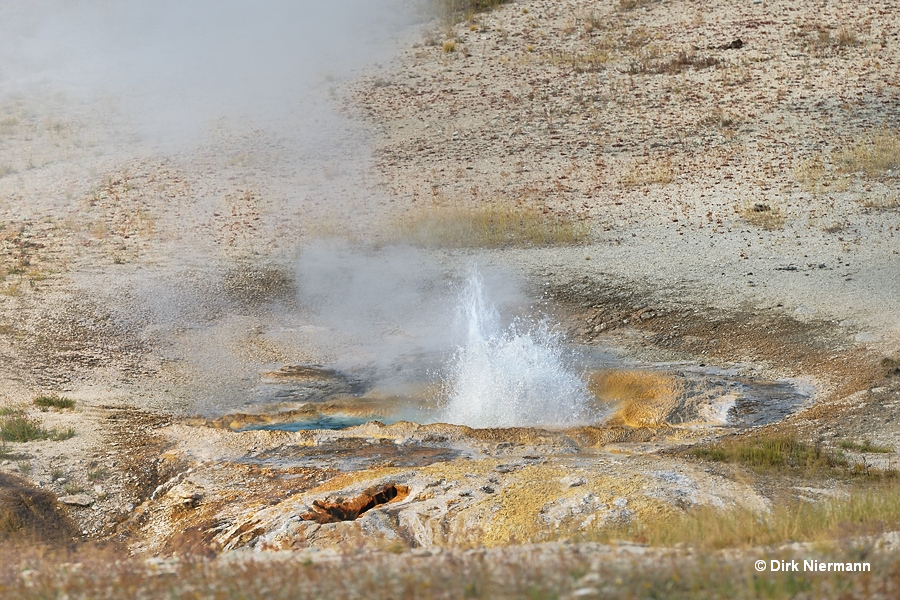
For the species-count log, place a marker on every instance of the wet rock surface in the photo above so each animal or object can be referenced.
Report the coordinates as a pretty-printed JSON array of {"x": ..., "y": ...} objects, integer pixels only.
[{"x": 247, "y": 490}]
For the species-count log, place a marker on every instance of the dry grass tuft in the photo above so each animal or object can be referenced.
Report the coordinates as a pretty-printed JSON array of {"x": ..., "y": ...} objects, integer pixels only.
[
  {"x": 633, "y": 4},
  {"x": 765, "y": 215},
  {"x": 821, "y": 40},
  {"x": 491, "y": 225},
  {"x": 884, "y": 201},
  {"x": 721, "y": 119},
  {"x": 584, "y": 62},
  {"x": 654, "y": 62},
  {"x": 811, "y": 174},
  {"x": 449, "y": 46},
  {"x": 659, "y": 171},
  {"x": 8, "y": 125},
  {"x": 17, "y": 427},
  {"x": 876, "y": 157},
  {"x": 455, "y": 11},
  {"x": 541, "y": 574},
  {"x": 865, "y": 512}
]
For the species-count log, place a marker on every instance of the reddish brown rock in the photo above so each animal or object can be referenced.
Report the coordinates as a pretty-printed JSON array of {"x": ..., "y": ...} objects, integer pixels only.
[{"x": 349, "y": 510}]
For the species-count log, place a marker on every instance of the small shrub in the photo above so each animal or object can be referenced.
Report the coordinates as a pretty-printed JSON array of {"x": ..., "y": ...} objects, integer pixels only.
[
  {"x": 449, "y": 46},
  {"x": 24, "y": 467},
  {"x": 455, "y": 11},
  {"x": 8, "y": 125},
  {"x": 593, "y": 21},
  {"x": 846, "y": 37},
  {"x": 56, "y": 474},
  {"x": 721, "y": 119},
  {"x": 57, "y": 402}
]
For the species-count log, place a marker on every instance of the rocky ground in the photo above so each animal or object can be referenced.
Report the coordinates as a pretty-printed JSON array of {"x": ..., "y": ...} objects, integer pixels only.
[{"x": 742, "y": 208}]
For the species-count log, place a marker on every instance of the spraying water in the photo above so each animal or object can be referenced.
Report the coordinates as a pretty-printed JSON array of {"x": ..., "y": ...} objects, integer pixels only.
[{"x": 515, "y": 377}]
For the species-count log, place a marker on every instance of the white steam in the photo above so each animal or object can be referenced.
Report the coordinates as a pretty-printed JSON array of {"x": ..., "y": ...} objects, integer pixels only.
[
  {"x": 173, "y": 67},
  {"x": 517, "y": 377},
  {"x": 387, "y": 312}
]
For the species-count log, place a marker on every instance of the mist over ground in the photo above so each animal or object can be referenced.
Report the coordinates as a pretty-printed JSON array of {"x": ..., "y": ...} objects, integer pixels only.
[
  {"x": 238, "y": 100},
  {"x": 171, "y": 69}
]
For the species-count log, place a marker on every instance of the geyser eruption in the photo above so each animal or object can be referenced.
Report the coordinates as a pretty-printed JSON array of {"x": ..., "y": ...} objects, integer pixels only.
[{"x": 515, "y": 377}]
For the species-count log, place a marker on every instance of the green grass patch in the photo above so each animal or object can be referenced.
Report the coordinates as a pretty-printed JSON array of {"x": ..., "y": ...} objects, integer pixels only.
[
  {"x": 865, "y": 446},
  {"x": 98, "y": 474},
  {"x": 490, "y": 225},
  {"x": 16, "y": 426},
  {"x": 58, "y": 435},
  {"x": 869, "y": 511},
  {"x": 73, "y": 488},
  {"x": 772, "y": 452},
  {"x": 56, "y": 402}
]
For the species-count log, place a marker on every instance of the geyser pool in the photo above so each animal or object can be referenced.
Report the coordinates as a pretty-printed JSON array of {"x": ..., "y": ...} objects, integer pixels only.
[
  {"x": 520, "y": 375},
  {"x": 513, "y": 377}
]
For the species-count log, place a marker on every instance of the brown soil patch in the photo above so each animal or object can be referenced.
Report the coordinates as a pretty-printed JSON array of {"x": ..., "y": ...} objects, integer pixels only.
[{"x": 29, "y": 514}]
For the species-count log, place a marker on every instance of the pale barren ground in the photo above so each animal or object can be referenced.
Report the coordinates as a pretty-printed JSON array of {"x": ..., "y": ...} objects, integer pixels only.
[{"x": 731, "y": 223}]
